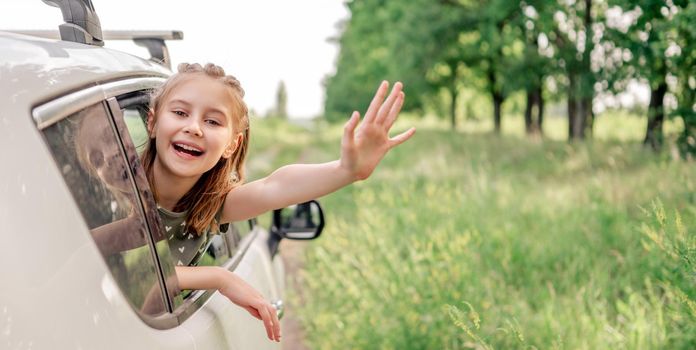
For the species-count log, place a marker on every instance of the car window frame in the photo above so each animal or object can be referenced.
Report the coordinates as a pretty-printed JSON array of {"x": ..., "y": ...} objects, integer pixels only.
[
  {"x": 228, "y": 229},
  {"x": 54, "y": 111},
  {"x": 146, "y": 201},
  {"x": 197, "y": 298},
  {"x": 50, "y": 112}
]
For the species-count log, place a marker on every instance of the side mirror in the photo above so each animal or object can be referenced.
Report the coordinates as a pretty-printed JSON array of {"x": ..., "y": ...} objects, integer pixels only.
[{"x": 302, "y": 221}]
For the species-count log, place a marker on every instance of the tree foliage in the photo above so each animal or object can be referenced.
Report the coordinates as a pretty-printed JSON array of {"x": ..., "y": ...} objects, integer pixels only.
[
  {"x": 363, "y": 60},
  {"x": 281, "y": 106},
  {"x": 495, "y": 47}
]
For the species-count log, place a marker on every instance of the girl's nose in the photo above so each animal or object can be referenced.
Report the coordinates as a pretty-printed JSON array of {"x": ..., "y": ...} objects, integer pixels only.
[{"x": 193, "y": 126}]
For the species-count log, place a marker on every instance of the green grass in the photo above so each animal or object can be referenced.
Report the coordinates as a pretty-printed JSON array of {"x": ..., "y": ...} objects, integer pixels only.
[{"x": 467, "y": 240}]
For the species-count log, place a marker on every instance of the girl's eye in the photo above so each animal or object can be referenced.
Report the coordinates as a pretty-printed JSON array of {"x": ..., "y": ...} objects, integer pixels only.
[
  {"x": 96, "y": 158},
  {"x": 212, "y": 122},
  {"x": 180, "y": 113}
]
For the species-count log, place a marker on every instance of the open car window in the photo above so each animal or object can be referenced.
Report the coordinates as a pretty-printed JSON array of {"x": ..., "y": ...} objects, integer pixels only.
[
  {"x": 96, "y": 143},
  {"x": 131, "y": 110}
]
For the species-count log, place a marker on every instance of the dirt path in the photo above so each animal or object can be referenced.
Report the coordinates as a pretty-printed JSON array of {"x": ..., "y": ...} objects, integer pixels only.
[
  {"x": 291, "y": 252},
  {"x": 293, "y": 333}
]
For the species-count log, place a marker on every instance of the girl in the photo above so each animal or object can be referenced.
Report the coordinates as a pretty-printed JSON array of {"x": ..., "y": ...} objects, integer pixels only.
[{"x": 199, "y": 135}]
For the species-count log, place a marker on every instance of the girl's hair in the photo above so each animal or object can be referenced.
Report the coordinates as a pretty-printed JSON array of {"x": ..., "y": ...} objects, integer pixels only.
[
  {"x": 207, "y": 196},
  {"x": 90, "y": 146}
]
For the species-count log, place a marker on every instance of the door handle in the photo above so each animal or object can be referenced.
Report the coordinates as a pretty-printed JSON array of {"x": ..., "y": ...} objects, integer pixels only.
[{"x": 280, "y": 309}]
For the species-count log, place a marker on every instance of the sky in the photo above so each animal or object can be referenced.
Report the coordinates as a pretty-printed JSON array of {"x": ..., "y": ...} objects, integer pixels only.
[{"x": 261, "y": 42}]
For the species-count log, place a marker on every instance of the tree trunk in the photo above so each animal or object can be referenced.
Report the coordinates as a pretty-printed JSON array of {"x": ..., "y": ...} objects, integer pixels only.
[
  {"x": 528, "y": 111},
  {"x": 533, "y": 113},
  {"x": 656, "y": 117},
  {"x": 587, "y": 82},
  {"x": 588, "y": 116},
  {"x": 454, "y": 93},
  {"x": 497, "y": 109},
  {"x": 580, "y": 116},
  {"x": 577, "y": 116},
  {"x": 574, "y": 115},
  {"x": 453, "y": 107},
  {"x": 540, "y": 111},
  {"x": 571, "y": 116},
  {"x": 497, "y": 97},
  {"x": 687, "y": 141}
]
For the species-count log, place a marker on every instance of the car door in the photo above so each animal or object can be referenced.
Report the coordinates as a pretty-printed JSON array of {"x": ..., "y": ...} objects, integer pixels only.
[
  {"x": 94, "y": 135},
  {"x": 212, "y": 320},
  {"x": 81, "y": 135}
]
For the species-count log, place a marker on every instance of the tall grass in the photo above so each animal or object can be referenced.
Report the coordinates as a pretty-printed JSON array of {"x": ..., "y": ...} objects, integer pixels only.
[{"x": 467, "y": 240}]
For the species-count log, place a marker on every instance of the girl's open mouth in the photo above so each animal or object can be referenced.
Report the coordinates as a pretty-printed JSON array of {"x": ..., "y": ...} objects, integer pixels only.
[{"x": 187, "y": 150}]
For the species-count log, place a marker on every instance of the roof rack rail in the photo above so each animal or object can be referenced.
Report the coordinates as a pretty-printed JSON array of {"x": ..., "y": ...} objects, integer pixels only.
[
  {"x": 81, "y": 21},
  {"x": 152, "y": 40}
]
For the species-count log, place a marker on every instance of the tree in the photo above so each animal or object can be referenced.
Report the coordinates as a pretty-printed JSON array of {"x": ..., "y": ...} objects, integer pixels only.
[
  {"x": 487, "y": 44},
  {"x": 281, "y": 107},
  {"x": 427, "y": 51},
  {"x": 683, "y": 63},
  {"x": 645, "y": 38},
  {"x": 430, "y": 45},
  {"x": 574, "y": 40},
  {"x": 362, "y": 61},
  {"x": 661, "y": 43},
  {"x": 533, "y": 66},
  {"x": 394, "y": 40}
]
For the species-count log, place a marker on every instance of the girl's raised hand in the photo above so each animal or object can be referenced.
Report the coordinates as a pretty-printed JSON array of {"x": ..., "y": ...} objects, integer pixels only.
[{"x": 362, "y": 148}]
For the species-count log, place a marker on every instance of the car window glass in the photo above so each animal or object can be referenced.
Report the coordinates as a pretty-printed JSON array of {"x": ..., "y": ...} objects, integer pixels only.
[
  {"x": 92, "y": 163},
  {"x": 136, "y": 127},
  {"x": 216, "y": 253},
  {"x": 243, "y": 228}
]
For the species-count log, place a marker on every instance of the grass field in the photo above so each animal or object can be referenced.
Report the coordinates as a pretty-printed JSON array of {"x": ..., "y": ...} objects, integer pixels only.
[{"x": 467, "y": 240}]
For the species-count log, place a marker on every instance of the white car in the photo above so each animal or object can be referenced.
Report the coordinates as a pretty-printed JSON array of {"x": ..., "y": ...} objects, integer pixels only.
[{"x": 70, "y": 126}]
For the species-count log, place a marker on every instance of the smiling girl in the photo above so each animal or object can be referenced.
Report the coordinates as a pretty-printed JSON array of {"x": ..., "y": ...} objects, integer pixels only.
[{"x": 199, "y": 135}]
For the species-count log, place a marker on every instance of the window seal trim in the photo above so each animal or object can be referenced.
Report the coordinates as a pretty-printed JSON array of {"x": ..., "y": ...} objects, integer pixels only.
[
  {"x": 114, "y": 112},
  {"x": 60, "y": 108}
]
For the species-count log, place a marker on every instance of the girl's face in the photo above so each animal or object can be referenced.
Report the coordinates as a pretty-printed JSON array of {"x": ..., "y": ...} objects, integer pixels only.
[
  {"x": 194, "y": 127},
  {"x": 94, "y": 138}
]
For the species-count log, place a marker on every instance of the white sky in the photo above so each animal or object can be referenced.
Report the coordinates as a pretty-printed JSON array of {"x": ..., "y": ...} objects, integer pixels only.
[{"x": 260, "y": 42}]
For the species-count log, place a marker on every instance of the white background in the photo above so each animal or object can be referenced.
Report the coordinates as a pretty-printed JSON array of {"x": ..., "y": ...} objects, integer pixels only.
[{"x": 261, "y": 42}]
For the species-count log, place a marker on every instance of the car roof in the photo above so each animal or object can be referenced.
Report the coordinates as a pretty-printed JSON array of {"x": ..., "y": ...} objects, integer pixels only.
[{"x": 34, "y": 70}]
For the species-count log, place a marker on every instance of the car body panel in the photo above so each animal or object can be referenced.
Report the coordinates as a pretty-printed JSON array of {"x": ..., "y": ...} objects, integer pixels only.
[
  {"x": 34, "y": 70},
  {"x": 52, "y": 267},
  {"x": 255, "y": 269}
]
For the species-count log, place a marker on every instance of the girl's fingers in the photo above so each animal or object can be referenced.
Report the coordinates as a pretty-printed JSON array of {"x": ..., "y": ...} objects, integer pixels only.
[
  {"x": 267, "y": 321},
  {"x": 376, "y": 102},
  {"x": 394, "y": 111},
  {"x": 276, "y": 322},
  {"x": 349, "y": 128},
  {"x": 387, "y": 106},
  {"x": 401, "y": 138}
]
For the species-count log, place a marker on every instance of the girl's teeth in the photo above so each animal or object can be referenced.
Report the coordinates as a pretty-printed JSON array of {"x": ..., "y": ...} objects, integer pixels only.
[{"x": 188, "y": 148}]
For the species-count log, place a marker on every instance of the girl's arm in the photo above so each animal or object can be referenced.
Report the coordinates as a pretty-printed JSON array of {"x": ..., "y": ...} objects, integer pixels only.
[
  {"x": 119, "y": 236},
  {"x": 361, "y": 150},
  {"x": 235, "y": 289}
]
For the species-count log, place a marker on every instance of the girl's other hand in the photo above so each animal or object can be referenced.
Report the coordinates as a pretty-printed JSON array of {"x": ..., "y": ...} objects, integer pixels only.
[
  {"x": 362, "y": 148},
  {"x": 244, "y": 295}
]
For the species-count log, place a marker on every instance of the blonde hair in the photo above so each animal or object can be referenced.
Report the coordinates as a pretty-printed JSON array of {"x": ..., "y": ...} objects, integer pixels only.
[
  {"x": 207, "y": 196},
  {"x": 85, "y": 130}
]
